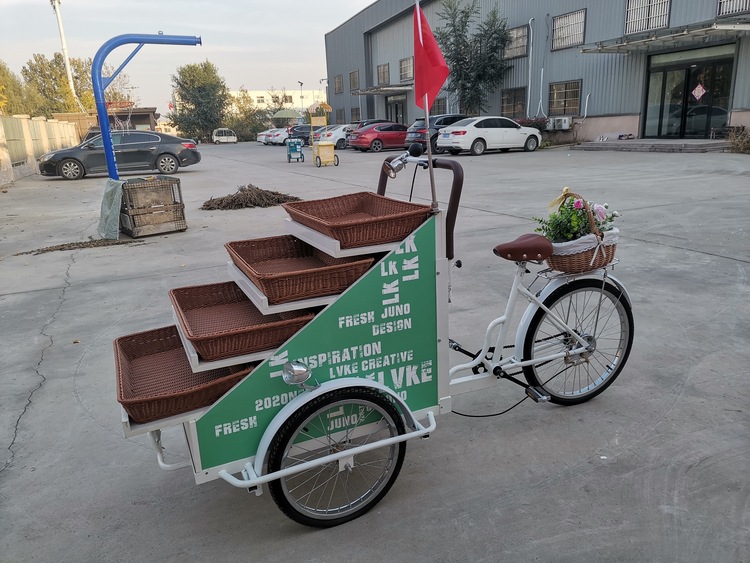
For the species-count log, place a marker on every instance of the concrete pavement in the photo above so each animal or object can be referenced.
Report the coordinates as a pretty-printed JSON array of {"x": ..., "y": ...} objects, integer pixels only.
[{"x": 655, "y": 469}]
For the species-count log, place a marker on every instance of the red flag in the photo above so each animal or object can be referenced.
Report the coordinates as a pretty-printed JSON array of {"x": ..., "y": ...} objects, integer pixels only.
[{"x": 430, "y": 70}]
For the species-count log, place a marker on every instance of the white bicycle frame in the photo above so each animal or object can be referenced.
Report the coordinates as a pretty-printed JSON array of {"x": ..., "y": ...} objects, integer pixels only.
[{"x": 474, "y": 382}]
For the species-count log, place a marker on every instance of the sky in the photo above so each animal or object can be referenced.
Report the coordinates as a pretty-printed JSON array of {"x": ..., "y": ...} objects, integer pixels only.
[{"x": 255, "y": 44}]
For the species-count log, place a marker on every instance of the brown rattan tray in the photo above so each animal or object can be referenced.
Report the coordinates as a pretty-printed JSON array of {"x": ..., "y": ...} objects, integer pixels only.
[
  {"x": 359, "y": 219},
  {"x": 221, "y": 322},
  {"x": 154, "y": 379},
  {"x": 287, "y": 269}
]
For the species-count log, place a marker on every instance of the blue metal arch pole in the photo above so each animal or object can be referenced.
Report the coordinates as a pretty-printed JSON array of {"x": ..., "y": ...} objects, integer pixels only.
[{"x": 100, "y": 82}]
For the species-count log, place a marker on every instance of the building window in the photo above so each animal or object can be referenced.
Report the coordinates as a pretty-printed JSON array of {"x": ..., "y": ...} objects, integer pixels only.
[
  {"x": 727, "y": 7},
  {"x": 567, "y": 30},
  {"x": 338, "y": 84},
  {"x": 406, "y": 69},
  {"x": 355, "y": 115},
  {"x": 354, "y": 80},
  {"x": 339, "y": 116},
  {"x": 565, "y": 98},
  {"x": 287, "y": 99},
  {"x": 643, "y": 15},
  {"x": 275, "y": 99},
  {"x": 519, "y": 42},
  {"x": 513, "y": 102},
  {"x": 384, "y": 74},
  {"x": 260, "y": 99},
  {"x": 439, "y": 106}
]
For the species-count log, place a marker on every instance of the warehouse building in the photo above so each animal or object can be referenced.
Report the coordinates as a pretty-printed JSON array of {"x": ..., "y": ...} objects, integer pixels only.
[{"x": 651, "y": 68}]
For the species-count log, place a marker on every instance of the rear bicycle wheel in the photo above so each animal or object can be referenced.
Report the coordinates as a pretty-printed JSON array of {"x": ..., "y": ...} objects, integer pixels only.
[
  {"x": 600, "y": 313},
  {"x": 333, "y": 493}
]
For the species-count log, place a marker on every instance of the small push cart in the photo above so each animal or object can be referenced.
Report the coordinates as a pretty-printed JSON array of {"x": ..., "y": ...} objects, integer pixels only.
[
  {"x": 294, "y": 150},
  {"x": 325, "y": 154}
]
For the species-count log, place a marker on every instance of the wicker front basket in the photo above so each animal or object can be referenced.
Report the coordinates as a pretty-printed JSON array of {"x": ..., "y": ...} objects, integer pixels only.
[
  {"x": 582, "y": 261},
  {"x": 359, "y": 219},
  {"x": 287, "y": 269},
  {"x": 154, "y": 379},
  {"x": 221, "y": 322}
]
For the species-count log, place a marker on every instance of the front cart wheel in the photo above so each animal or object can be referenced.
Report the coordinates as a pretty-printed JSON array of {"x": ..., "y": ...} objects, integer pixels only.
[
  {"x": 302, "y": 157},
  {"x": 335, "y": 160},
  {"x": 318, "y": 162},
  {"x": 333, "y": 493},
  {"x": 603, "y": 317}
]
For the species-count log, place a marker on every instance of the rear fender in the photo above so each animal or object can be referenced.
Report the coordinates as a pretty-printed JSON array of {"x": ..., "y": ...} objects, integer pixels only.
[{"x": 523, "y": 326}]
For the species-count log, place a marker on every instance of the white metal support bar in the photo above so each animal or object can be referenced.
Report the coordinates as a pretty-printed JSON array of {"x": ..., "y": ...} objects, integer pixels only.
[{"x": 254, "y": 479}]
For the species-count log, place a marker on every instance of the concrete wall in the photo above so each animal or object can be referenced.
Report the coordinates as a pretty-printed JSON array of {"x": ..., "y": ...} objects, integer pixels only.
[{"x": 23, "y": 139}]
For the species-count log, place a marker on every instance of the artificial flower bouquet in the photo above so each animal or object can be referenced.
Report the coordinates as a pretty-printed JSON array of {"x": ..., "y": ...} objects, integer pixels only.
[{"x": 582, "y": 233}]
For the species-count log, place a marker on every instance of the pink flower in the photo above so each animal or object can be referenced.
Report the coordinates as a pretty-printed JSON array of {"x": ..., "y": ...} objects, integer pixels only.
[
  {"x": 578, "y": 204},
  {"x": 600, "y": 212}
]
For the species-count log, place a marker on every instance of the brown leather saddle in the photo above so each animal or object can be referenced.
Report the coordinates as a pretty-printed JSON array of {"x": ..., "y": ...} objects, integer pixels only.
[{"x": 529, "y": 247}]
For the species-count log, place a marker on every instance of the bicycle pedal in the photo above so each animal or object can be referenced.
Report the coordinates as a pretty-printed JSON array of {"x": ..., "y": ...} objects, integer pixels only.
[{"x": 537, "y": 394}]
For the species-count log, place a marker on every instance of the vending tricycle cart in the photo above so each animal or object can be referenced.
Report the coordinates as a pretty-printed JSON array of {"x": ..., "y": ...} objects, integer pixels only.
[{"x": 323, "y": 418}]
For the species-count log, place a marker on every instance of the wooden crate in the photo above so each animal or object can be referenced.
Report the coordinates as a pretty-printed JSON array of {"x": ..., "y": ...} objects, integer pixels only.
[
  {"x": 153, "y": 191},
  {"x": 155, "y": 220}
]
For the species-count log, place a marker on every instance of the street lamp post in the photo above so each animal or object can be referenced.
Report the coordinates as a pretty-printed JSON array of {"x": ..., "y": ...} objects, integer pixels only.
[{"x": 301, "y": 102}]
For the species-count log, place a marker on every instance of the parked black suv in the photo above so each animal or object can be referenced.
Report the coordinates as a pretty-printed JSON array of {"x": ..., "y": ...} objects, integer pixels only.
[
  {"x": 417, "y": 132},
  {"x": 301, "y": 132}
]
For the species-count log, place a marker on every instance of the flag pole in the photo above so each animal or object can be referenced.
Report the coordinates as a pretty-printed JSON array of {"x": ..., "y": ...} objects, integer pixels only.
[{"x": 433, "y": 192}]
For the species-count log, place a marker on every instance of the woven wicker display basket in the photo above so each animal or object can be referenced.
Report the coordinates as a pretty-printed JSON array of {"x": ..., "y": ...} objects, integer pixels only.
[
  {"x": 359, "y": 219},
  {"x": 287, "y": 269},
  {"x": 221, "y": 322},
  {"x": 154, "y": 379},
  {"x": 585, "y": 254}
]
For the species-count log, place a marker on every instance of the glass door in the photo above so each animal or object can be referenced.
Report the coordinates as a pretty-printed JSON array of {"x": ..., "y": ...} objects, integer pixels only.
[{"x": 688, "y": 101}]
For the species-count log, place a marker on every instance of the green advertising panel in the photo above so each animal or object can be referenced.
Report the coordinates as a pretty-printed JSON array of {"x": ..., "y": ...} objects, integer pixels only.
[{"x": 383, "y": 328}]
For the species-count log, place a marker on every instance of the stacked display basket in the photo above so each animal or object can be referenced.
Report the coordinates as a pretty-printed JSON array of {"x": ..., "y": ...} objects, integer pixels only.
[{"x": 278, "y": 284}]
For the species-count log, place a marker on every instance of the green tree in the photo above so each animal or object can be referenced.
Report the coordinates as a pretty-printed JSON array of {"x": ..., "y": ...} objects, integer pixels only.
[
  {"x": 18, "y": 97},
  {"x": 49, "y": 78},
  {"x": 475, "y": 60},
  {"x": 202, "y": 100},
  {"x": 245, "y": 118}
]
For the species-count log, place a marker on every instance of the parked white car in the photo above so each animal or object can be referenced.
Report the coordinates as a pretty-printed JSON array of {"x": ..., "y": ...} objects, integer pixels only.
[
  {"x": 278, "y": 136},
  {"x": 478, "y": 134},
  {"x": 335, "y": 134},
  {"x": 261, "y": 137}
]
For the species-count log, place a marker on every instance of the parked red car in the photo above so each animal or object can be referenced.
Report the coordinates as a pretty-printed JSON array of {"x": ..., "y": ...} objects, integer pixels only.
[{"x": 379, "y": 136}]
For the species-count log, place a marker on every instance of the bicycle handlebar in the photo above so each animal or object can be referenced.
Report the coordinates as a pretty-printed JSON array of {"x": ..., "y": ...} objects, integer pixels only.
[{"x": 455, "y": 196}]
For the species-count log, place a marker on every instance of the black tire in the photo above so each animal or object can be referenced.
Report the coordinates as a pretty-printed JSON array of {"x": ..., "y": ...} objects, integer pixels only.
[
  {"x": 340, "y": 144},
  {"x": 454, "y": 152},
  {"x": 167, "y": 164},
  {"x": 376, "y": 145},
  {"x": 576, "y": 379},
  {"x": 334, "y": 493},
  {"x": 302, "y": 157},
  {"x": 435, "y": 148},
  {"x": 478, "y": 147},
  {"x": 288, "y": 158},
  {"x": 318, "y": 162},
  {"x": 335, "y": 160},
  {"x": 531, "y": 144},
  {"x": 216, "y": 142},
  {"x": 70, "y": 169}
]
